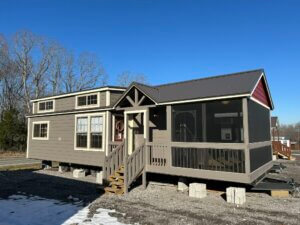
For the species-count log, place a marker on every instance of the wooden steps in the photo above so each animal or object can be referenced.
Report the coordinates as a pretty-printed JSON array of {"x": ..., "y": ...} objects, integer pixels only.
[{"x": 116, "y": 182}]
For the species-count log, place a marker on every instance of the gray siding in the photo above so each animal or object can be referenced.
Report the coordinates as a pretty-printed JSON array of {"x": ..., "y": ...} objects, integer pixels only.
[
  {"x": 114, "y": 96},
  {"x": 67, "y": 103},
  {"x": 102, "y": 98},
  {"x": 60, "y": 146}
]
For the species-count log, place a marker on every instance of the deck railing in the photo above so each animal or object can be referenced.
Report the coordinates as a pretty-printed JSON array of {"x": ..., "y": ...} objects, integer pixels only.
[
  {"x": 158, "y": 154},
  {"x": 282, "y": 149},
  {"x": 113, "y": 145},
  {"x": 114, "y": 160}
]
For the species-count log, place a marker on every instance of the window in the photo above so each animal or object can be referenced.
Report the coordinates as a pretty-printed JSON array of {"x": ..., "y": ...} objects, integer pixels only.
[
  {"x": 217, "y": 121},
  {"x": 89, "y": 132},
  {"x": 96, "y": 131},
  {"x": 87, "y": 101},
  {"x": 47, "y": 106},
  {"x": 40, "y": 130},
  {"x": 81, "y": 132}
]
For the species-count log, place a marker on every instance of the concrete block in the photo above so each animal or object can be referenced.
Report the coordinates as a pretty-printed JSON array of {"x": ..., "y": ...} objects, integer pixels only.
[
  {"x": 236, "y": 195},
  {"x": 62, "y": 169},
  {"x": 78, "y": 173},
  {"x": 182, "y": 186},
  {"x": 197, "y": 190},
  {"x": 99, "y": 177},
  {"x": 280, "y": 193}
]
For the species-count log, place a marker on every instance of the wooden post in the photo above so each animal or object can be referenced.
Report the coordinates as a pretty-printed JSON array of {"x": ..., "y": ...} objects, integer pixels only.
[
  {"x": 125, "y": 168},
  {"x": 144, "y": 179},
  {"x": 246, "y": 135},
  {"x": 169, "y": 132}
]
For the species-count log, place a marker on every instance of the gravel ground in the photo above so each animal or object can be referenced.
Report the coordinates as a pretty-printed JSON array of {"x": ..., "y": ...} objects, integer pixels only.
[{"x": 159, "y": 204}]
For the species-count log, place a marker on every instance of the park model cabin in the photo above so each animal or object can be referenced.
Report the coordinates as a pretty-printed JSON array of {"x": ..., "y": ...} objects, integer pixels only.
[{"x": 214, "y": 128}]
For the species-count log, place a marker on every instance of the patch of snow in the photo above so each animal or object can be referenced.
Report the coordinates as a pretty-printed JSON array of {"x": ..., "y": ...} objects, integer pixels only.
[{"x": 34, "y": 210}]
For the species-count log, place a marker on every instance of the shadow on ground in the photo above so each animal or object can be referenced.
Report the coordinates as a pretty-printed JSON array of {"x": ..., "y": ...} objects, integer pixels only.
[{"x": 46, "y": 186}]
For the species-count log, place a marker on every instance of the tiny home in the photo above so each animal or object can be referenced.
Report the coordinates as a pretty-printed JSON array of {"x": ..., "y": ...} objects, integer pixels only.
[{"x": 215, "y": 128}]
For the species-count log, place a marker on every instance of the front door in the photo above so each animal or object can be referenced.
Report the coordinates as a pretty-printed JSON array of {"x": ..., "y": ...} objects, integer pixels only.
[{"x": 135, "y": 131}]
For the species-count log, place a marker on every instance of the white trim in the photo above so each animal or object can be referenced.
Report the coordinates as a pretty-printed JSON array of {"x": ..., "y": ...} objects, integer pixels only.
[
  {"x": 126, "y": 92},
  {"x": 45, "y": 111},
  {"x": 107, "y": 102},
  {"x": 259, "y": 102},
  {"x": 113, "y": 127},
  {"x": 106, "y": 132},
  {"x": 87, "y": 106},
  {"x": 33, "y": 108},
  {"x": 268, "y": 90},
  {"x": 78, "y": 93},
  {"x": 40, "y": 138},
  {"x": 134, "y": 112},
  {"x": 28, "y": 138},
  {"x": 205, "y": 99},
  {"x": 88, "y": 148},
  {"x": 72, "y": 112},
  {"x": 256, "y": 84}
]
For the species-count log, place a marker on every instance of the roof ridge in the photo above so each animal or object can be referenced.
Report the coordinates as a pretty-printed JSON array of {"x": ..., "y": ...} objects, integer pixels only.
[
  {"x": 207, "y": 78},
  {"x": 154, "y": 87}
]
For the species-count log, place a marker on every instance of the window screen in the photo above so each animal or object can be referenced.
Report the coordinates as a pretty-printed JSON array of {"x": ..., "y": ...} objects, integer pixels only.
[
  {"x": 43, "y": 106},
  {"x": 259, "y": 122},
  {"x": 218, "y": 121},
  {"x": 87, "y": 100}
]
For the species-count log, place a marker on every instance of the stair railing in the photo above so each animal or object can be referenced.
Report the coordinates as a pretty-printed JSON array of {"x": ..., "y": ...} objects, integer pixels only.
[
  {"x": 114, "y": 160},
  {"x": 135, "y": 164}
]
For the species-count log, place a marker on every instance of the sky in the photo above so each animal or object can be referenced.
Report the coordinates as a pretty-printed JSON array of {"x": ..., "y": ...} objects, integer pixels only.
[{"x": 171, "y": 41}]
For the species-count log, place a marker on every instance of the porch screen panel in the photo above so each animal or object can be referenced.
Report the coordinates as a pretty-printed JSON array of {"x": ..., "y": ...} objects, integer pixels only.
[
  {"x": 187, "y": 123},
  {"x": 259, "y": 122},
  {"x": 224, "y": 121},
  {"x": 216, "y": 121},
  {"x": 260, "y": 156},
  {"x": 227, "y": 160}
]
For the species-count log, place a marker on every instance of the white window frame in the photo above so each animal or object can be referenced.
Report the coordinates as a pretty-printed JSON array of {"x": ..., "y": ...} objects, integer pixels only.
[
  {"x": 88, "y": 148},
  {"x": 88, "y": 106},
  {"x": 48, "y": 129},
  {"x": 45, "y": 111}
]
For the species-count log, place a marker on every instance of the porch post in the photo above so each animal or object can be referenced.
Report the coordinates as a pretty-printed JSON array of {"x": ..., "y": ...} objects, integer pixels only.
[
  {"x": 146, "y": 136},
  {"x": 125, "y": 155},
  {"x": 108, "y": 130},
  {"x": 169, "y": 132},
  {"x": 246, "y": 135}
]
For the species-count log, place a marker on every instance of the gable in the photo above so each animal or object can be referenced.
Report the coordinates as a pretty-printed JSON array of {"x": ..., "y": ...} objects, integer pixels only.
[
  {"x": 261, "y": 93},
  {"x": 134, "y": 97}
]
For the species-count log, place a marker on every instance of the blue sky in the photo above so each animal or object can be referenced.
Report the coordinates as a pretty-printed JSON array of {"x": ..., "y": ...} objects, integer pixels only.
[{"x": 176, "y": 40}]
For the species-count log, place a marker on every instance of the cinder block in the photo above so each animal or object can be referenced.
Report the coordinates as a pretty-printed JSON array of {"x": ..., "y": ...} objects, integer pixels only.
[
  {"x": 280, "y": 193},
  {"x": 62, "y": 169},
  {"x": 236, "y": 195},
  {"x": 99, "y": 177},
  {"x": 78, "y": 173},
  {"x": 182, "y": 186},
  {"x": 197, "y": 190}
]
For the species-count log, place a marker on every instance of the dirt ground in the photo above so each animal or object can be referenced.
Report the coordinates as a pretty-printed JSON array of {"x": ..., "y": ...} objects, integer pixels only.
[
  {"x": 11, "y": 154},
  {"x": 159, "y": 203}
]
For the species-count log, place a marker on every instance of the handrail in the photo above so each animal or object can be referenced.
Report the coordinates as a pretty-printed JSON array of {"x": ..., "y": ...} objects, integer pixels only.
[
  {"x": 113, "y": 160},
  {"x": 278, "y": 147},
  {"x": 135, "y": 164}
]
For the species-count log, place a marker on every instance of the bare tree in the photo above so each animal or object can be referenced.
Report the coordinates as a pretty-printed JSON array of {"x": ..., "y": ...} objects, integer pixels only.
[
  {"x": 89, "y": 71},
  {"x": 24, "y": 42},
  {"x": 126, "y": 78}
]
